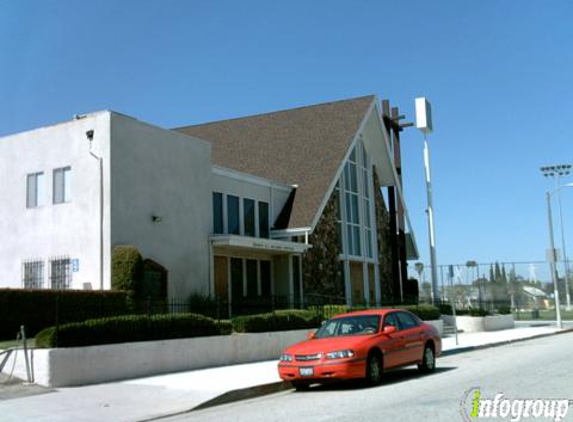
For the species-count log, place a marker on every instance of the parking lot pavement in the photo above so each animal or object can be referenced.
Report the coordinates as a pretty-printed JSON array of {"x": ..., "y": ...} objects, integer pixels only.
[{"x": 146, "y": 399}]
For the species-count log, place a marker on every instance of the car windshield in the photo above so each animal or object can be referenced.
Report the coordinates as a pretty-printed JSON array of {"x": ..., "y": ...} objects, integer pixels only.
[{"x": 349, "y": 326}]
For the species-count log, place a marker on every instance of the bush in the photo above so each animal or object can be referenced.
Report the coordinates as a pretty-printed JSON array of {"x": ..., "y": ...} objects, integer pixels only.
[
  {"x": 127, "y": 270},
  {"x": 504, "y": 310},
  {"x": 131, "y": 328},
  {"x": 411, "y": 291},
  {"x": 476, "y": 312},
  {"x": 445, "y": 309},
  {"x": 38, "y": 309},
  {"x": 276, "y": 321},
  {"x": 424, "y": 312}
]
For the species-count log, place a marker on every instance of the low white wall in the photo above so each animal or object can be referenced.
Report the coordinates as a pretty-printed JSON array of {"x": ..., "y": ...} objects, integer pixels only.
[
  {"x": 471, "y": 324},
  {"x": 96, "y": 364},
  {"x": 438, "y": 324}
]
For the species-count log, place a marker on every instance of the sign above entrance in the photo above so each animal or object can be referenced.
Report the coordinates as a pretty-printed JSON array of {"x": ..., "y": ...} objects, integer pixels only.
[{"x": 259, "y": 244}]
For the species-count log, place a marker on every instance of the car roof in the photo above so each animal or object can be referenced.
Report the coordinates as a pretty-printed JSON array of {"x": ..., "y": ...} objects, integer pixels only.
[{"x": 380, "y": 311}]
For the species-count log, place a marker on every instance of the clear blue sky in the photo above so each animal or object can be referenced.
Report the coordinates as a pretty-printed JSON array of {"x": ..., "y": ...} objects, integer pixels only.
[{"x": 499, "y": 75}]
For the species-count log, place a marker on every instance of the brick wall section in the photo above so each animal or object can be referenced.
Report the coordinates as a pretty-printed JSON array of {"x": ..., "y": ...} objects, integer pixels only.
[
  {"x": 384, "y": 252},
  {"x": 320, "y": 266}
]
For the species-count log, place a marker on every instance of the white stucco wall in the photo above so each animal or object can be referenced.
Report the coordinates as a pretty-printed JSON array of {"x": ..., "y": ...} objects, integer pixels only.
[
  {"x": 97, "y": 364},
  {"x": 69, "y": 229},
  {"x": 166, "y": 174},
  {"x": 469, "y": 324}
]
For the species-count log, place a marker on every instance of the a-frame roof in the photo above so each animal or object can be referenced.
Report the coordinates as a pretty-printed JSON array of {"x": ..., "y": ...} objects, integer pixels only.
[{"x": 303, "y": 146}]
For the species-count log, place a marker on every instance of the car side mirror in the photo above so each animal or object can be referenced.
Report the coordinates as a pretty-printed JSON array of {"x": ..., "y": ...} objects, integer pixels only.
[
  {"x": 389, "y": 329},
  {"x": 310, "y": 334}
]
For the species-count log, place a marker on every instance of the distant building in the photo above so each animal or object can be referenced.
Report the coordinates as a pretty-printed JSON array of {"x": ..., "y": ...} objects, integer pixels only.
[{"x": 285, "y": 204}]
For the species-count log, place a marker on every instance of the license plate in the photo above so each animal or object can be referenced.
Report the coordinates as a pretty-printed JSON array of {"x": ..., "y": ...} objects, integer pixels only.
[{"x": 306, "y": 372}]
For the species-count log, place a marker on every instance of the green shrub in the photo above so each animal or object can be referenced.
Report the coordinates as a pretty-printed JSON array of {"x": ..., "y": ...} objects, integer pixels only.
[
  {"x": 476, "y": 312},
  {"x": 131, "y": 328},
  {"x": 276, "y": 321},
  {"x": 206, "y": 305},
  {"x": 38, "y": 309},
  {"x": 445, "y": 309},
  {"x": 424, "y": 312},
  {"x": 411, "y": 291},
  {"x": 504, "y": 310},
  {"x": 127, "y": 270}
]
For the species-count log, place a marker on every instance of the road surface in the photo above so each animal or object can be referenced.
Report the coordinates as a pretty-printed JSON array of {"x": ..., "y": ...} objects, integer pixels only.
[{"x": 541, "y": 368}]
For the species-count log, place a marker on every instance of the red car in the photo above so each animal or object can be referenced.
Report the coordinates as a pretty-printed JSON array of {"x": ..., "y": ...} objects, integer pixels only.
[{"x": 361, "y": 345}]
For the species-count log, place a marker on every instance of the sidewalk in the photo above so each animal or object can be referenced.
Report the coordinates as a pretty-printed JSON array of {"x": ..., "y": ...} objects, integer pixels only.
[{"x": 146, "y": 399}]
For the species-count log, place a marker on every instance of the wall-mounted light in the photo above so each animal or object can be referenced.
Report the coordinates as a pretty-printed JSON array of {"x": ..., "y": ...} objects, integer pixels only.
[
  {"x": 156, "y": 219},
  {"x": 90, "y": 135}
]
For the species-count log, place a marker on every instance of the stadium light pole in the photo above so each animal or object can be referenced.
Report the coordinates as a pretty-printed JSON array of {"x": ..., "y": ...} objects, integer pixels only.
[
  {"x": 424, "y": 124},
  {"x": 552, "y": 257},
  {"x": 556, "y": 171}
]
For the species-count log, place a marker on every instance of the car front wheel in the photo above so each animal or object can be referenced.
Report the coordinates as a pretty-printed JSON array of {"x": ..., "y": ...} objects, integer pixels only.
[
  {"x": 374, "y": 369},
  {"x": 428, "y": 360}
]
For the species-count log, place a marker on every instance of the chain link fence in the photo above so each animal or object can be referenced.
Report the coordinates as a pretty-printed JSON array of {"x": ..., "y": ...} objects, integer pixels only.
[{"x": 525, "y": 289}]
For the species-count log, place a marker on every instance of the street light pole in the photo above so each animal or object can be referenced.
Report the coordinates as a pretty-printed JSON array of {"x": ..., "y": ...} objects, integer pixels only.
[
  {"x": 552, "y": 263},
  {"x": 556, "y": 172},
  {"x": 424, "y": 124}
]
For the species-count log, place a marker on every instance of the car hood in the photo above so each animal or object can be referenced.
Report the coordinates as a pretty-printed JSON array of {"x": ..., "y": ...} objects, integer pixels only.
[{"x": 329, "y": 344}]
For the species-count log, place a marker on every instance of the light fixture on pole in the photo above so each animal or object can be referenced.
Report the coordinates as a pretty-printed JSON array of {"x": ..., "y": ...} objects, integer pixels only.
[
  {"x": 424, "y": 124},
  {"x": 556, "y": 171},
  {"x": 552, "y": 254}
]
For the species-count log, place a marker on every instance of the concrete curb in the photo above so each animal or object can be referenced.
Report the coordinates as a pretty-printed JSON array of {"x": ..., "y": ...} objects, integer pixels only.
[
  {"x": 501, "y": 343},
  {"x": 277, "y": 387}
]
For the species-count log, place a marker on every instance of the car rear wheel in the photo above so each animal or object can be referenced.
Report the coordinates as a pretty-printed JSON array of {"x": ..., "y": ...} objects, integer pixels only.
[
  {"x": 374, "y": 369},
  {"x": 300, "y": 385},
  {"x": 428, "y": 360}
]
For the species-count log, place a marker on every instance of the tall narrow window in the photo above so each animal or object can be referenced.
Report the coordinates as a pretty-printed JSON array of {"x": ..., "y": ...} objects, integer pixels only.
[
  {"x": 33, "y": 274},
  {"x": 263, "y": 219},
  {"x": 62, "y": 185},
  {"x": 233, "y": 223},
  {"x": 252, "y": 285},
  {"x": 351, "y": 201},
  {"x": 217, "y": 212},
  {"x": 249, "y": 216},
  {"x": 60, "y": 273},
  {"x": 35, "y": 191},
  {"x": 236, "y": 279},
  {"x": 266, "y": 278}
]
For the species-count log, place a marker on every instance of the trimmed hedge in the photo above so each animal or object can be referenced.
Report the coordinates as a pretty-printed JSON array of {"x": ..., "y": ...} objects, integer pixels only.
[
  {"x": 476, "y": 312},
  {"x": 38, "y": 309},
  {"x": 127, "y": 270},
  {"x": 424, "y": 312},
  {"x": 276, "y": 321},
  {"x": 131, "y": 328}
]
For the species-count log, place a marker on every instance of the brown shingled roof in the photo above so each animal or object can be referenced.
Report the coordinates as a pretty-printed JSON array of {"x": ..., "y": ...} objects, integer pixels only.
[{"x": 303, "y": 146}]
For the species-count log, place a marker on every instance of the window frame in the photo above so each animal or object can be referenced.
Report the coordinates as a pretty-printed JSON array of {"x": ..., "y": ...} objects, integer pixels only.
[
  {"x": 62, "y": 185},
  {"x": 39, "y": 194}
]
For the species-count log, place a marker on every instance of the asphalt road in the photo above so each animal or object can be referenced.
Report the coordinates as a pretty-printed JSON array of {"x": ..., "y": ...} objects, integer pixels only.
[{"x": 541, "y": 368}]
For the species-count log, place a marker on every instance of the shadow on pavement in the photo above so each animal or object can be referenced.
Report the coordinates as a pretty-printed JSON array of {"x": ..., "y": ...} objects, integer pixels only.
[
  {"x": 389, "y": 378},
  {"x": 13, "y": 388}
]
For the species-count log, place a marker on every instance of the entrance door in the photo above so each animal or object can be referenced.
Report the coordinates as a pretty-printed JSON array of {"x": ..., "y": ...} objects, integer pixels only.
[{"x": 221, "y": 270}]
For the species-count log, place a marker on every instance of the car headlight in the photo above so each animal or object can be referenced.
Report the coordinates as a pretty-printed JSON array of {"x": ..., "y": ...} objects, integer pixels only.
[
  {"x": 340, "y": 354},
  {"x": 285, "y": 358}
]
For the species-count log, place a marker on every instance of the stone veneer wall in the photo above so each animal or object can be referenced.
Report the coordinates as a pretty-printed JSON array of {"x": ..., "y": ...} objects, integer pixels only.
[
  {"x": 322, "y": 271},
  {"x": 321, "y": 268},
  {"x": 384, "y": 251}
]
